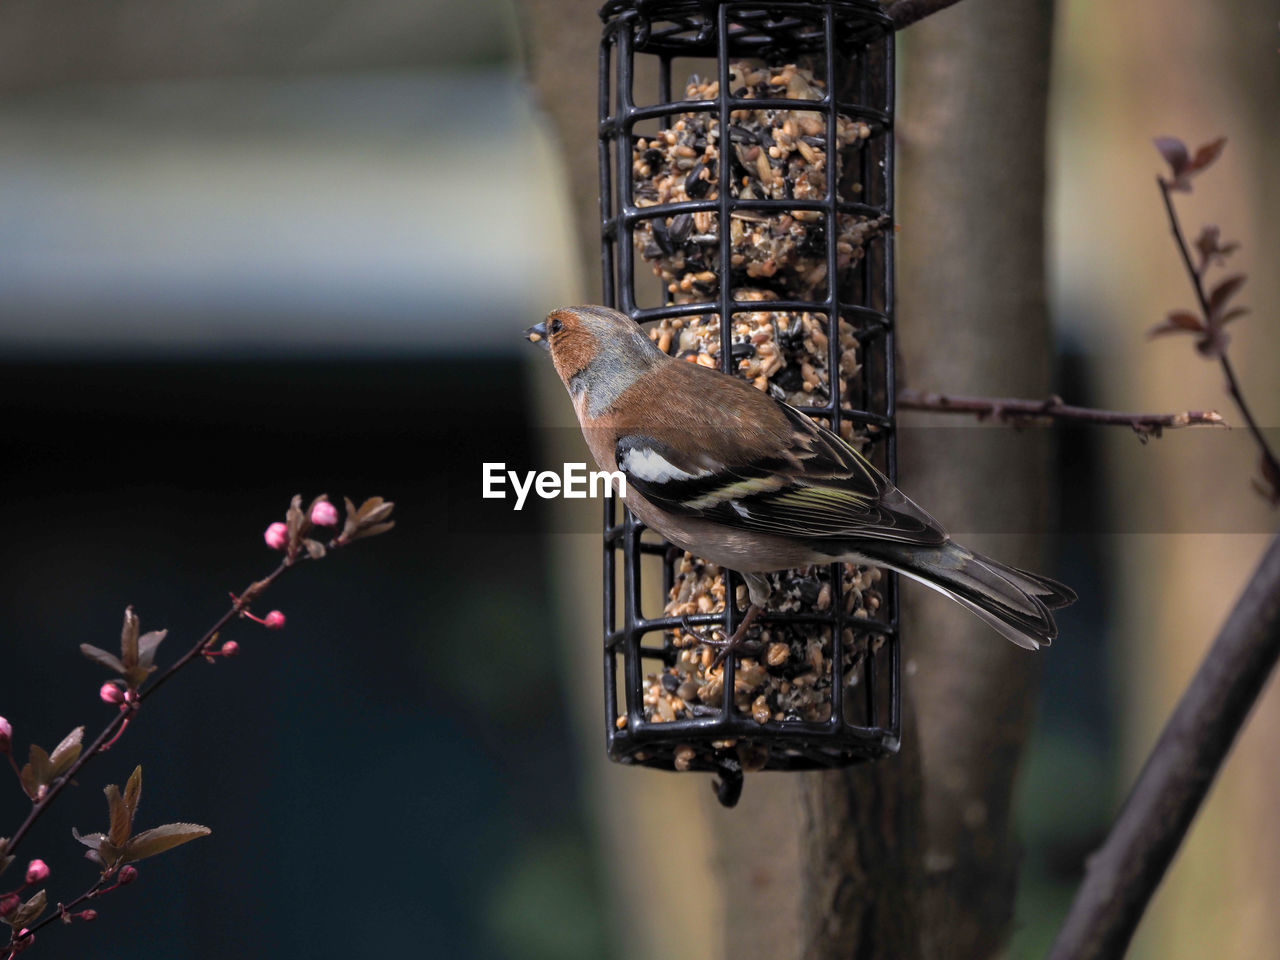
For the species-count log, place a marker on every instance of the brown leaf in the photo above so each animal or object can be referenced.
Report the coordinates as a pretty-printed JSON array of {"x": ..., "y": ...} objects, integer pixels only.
[
  {"x": 314, "y": 548},
  {"x": 98, "y": 655},
  {"x": 373, "y": 509},
  {"x": 66, "y": 753},
  {"x": 4, "y": 861},
  {"x": 36, "y": 773},
  {"x": 147, "y": 645},
  {"x": 121, "y": 823},
  {"x": 1178, "y": 321},
  {"x": 296, "y": 521},
  {"x": 101, "y": 851},
  {"x": 1222, "y": 293},
  {"x": 133, "y": 791},
  {"x": 91, "y": 840},
  {"x": 129, "y": 639},
  {"x": 1232, "y": 314},
  {"x": 1211, "y": 248},
  {"x": 372, "y": 531},
  {"x": 159, "y": 839},
  {"x": 27, "y": 914},
  {"x": 351, "y": 522},
  {"x": 1207, "y": 154}
]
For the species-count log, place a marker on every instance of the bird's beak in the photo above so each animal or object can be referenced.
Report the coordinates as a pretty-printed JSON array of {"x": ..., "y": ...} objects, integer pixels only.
[{"x": 538, "y": 334}]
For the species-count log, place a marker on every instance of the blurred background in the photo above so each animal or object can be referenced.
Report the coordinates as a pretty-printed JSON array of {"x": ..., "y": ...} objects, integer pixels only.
[{"x": 267, "y": 247}]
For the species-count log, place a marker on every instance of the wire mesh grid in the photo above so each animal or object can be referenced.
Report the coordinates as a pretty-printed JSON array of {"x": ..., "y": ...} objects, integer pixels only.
[{"x": 840, "y": 58}]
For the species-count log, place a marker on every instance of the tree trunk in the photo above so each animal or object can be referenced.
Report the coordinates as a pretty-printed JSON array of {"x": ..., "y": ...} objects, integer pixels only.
[{"x": 972, "y": 316}]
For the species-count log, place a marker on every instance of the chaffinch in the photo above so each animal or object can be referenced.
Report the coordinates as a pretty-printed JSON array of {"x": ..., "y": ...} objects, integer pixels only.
[{"x": 746, "y": 481}]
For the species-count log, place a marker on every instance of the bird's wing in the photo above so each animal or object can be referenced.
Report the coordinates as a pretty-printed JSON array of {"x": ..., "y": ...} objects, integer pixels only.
[{"x": 814, "y": 485}]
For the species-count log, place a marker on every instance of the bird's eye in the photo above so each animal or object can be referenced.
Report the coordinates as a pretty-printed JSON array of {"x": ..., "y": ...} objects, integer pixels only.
[{"x": 555, "y": 326}]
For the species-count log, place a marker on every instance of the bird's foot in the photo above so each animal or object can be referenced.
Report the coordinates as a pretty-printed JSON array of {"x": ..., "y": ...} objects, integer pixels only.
[
  {"x": 702, "y": 636},
  {"x": 735, "y": 642}
]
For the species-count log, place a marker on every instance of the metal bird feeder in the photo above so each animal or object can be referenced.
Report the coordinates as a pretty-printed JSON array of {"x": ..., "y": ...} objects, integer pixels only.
[{"x": 791, "y": 230}]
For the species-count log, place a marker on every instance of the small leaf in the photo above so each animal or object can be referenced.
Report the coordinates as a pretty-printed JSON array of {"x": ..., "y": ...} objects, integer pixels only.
[
  {"x": 296, "y": 521},
  {"x": 147, "y": 645},
  {"x": 352, "y": 522},
  {"x": 26, "y": 914},
  {"x": 133, "y": 791},
  {"x": 159, "y": 839},
  {"x": 91, "y": 840},
  {"x": 129, "y": 639},
  {"x": 4, "y": 861},
  {"x": 1178, "y": 321},
  {"x": 315, "y": 549},
  {"x": 1175, "y": 154},
  {"x": 1207, "y": 154},
  {"x": 121, "y": 822},
  {"x": 36, "y": 772},
  {"x": 1211, "y": 249},
  {"x": 66, "y": 753},
  {"x": 1222, "y": 293},
  {"x": 375, "y": 509},
  {"x": 372, "y": 531},
  {"x": 1232, "y": 314},
  {"x": 98, "y": 655}
]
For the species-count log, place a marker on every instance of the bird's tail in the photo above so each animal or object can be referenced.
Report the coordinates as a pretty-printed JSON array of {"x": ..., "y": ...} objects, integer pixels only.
[{"x": 1014, "y": 602}]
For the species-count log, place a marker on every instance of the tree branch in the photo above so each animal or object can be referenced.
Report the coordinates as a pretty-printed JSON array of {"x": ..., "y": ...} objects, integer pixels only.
[
  {"x": 903, "y": 13},
  {"x": 1124, "y": 874},
  {"x": 1024, "y": 412},
  {"x": 109, "y": 732},
  {"x": 1213, "y": 323}
]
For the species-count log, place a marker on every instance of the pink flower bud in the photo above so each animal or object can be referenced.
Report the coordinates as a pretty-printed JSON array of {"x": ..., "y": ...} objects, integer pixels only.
[
  {"x": 274, "y": 620},
  {"x": 37, "y": 871},
  {"x": 324, "y": 514},
  {"x": 24, "y": 939},
  {"x": 277, "y": 536},
  {"x": 127, "y": 875},
  {"x": 9, "y": 903},
  {"x": 230, "y": 648},
  {"x": 88, "y": 914},
  {"x": 110, "y": 693},
  {"x": 6, "y": 735}
]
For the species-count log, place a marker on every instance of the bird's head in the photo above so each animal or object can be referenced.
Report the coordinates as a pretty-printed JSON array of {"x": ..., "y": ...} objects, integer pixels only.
[{"x": 597, "y": 351}]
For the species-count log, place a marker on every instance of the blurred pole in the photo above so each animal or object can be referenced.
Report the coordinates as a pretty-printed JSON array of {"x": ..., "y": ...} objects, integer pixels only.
[{"x": 972, "y": 318}]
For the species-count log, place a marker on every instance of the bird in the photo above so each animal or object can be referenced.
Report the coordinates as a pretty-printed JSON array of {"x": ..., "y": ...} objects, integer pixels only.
[{"x": 743, "y": 480}]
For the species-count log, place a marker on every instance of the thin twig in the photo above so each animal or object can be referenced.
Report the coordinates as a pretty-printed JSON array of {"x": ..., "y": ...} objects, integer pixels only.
[
  {"x": 1019, "y": 412},
  {"x": 57, "y": 914},
  {"x": 129, "y": 709},
  {"x": 903, "y": 13},
  {"x": 1202, "y": 298},
  {"x": 1123, "y": 875}
]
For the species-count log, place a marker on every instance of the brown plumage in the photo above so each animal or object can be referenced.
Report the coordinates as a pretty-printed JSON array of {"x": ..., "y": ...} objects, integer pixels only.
[{"x": 726, "y": 472}]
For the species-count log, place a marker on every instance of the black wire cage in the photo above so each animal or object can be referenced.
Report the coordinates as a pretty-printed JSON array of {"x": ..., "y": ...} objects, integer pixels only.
[{"x": 792, "y": 229}]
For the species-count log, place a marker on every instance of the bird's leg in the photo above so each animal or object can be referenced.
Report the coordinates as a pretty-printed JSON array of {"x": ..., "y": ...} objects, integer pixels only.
[{"x": 759, "y": 590}]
